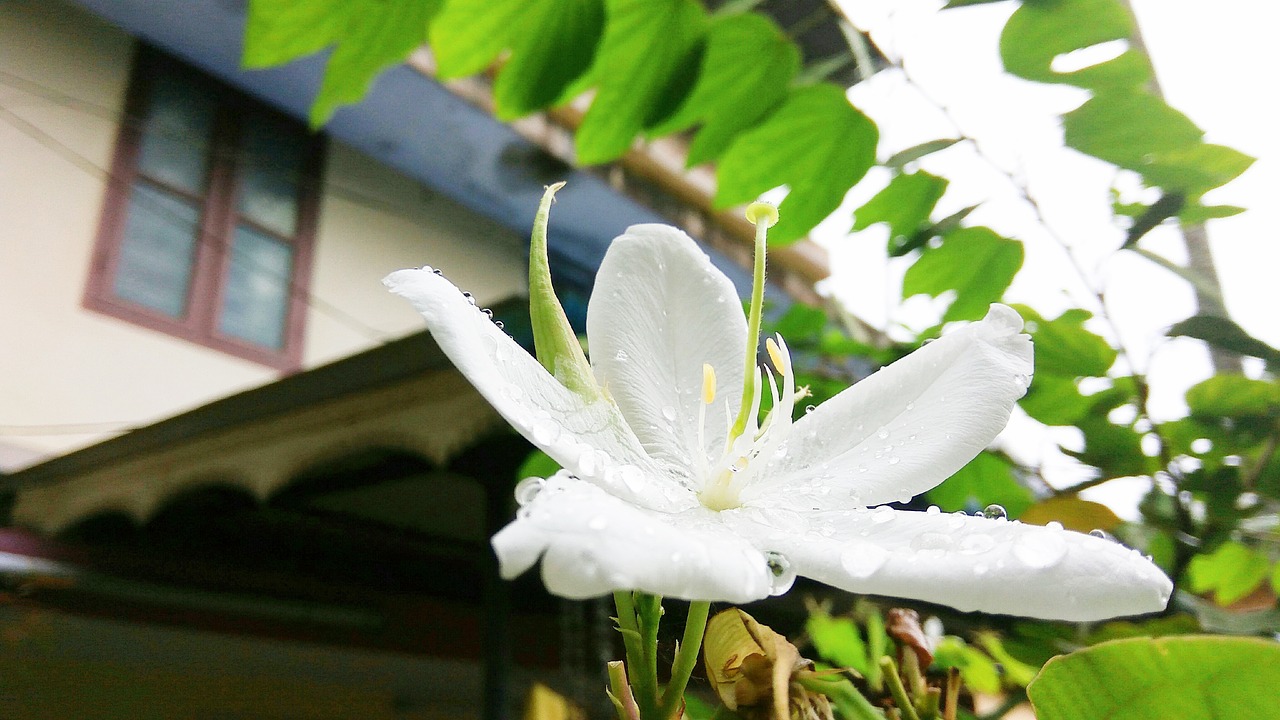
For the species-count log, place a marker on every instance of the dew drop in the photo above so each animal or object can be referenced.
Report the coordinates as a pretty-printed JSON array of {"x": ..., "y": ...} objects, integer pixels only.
[
  {"x": 499, "y": 324},
  {"x": 932, "y": 544},
  {"x": 781, "y": 571},
  {"x": 588, "y": 464},
  {"x": 1039, "y": 549},
  {"x": 1054, "y": 525},
  {"x": 809, "y": 408},
  {"x": 621, "y": 356},
  {"x": 437, "y": 271},
  {"x": 933, "y": 510},
  {"x": 527, "y": 489},
  {"x": 894, "y": 460},
  {"x": 545, "y": 432},
  {"x": 976, "y": 543},
  {"x": 995, "y": 512},
  {"x": 669, "y": 412},
  {"x": 470, "y": 299},
  {"x": 883, "y": 434},
  {"x": 911, "y": 406},
  {"x": 428, "y": 268},
  {"x": 861, "y": 560},
  {"x": 1020, "y": 380},
  {"x": 882, "y": 514},
  {"x": 1102, "y": 534},
  {"x": 487, "y": 312}
]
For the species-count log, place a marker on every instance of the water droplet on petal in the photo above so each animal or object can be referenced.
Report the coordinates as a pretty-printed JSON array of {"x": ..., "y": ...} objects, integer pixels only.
[
  {"x": 995, "y": 512},
  {"x": 470, "y": 299},
  {"x": 883, "y": 434},
  {"x": 976, "y": 543},
  {"x": 933, "y": 510},
  {"x": 882, "y": 514},
  {"x": 499, "y": 324},
  {"x": 428, "y": 268},
  {"x": 1054, "y": 525},
  {"x": 894, "y": 459},
  {"x": 809, "y": 408},
  {"x": 588, "y": 463},
  {"x": 783, "y": 574},
  {"x": 911, "y": 406},
  {"x": 437, "y": 271},
  {"x": 861, "y": 560},
  {"x": 621, "y": 356},
  {"x": 487, "y": 312},
  {"x": 545, "y": 432},
  {"x": 1102, "y": 534},
  {"x": 668, "y": 412},
  {"x": 1039, "y": 549},
  {"x": 932, "y": 544},
  {"x": 527, "y": 489}
]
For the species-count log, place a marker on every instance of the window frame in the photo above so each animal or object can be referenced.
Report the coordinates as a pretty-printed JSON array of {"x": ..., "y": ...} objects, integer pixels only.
[{"x": 218, "y": 217}]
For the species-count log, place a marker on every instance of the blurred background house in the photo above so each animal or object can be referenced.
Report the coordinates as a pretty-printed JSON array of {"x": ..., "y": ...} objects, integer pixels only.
[{"x": 237, "y": 479}]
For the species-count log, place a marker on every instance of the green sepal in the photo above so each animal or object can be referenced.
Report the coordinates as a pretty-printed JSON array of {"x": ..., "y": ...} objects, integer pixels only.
[{"x": 554, "y": 341}]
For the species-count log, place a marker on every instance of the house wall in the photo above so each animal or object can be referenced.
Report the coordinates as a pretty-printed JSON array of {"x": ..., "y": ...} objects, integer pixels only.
[{"x": 70, "y": 377}]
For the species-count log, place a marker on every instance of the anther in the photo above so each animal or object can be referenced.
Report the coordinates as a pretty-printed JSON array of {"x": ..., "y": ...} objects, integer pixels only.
[
  {"x": 708, "y": 384},
  {"x": 775, "y": 354}
]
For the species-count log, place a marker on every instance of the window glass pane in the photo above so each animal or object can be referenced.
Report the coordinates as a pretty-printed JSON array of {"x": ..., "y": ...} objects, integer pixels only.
[
  {"x": 271, "y": 155},
  {"x": 176, "y": 133},
  {"x": 157, "y": 251},
  {"x": 256, "y": 300}
]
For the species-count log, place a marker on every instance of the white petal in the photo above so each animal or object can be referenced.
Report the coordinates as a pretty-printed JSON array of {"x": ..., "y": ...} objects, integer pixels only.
[
  {"x": 969, "y": 563},
  {"x": 906, "y": 428},
  {"x": 592, "y": 543},
  {"x": 660, "y": 310},
  {"x": 589, "y": 438}
]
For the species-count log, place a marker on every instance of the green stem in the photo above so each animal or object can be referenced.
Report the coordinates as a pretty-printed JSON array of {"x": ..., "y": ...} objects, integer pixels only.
[
  {"x": 851, "y": 703},
  {"x": 899, "y": 692},
  {"x": 686, "y": 657},
  {"x": 643, "y": 682},
  {"x": 753, "y": 331}
]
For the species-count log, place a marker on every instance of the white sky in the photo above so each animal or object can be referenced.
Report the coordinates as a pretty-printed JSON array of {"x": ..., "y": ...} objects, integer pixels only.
[{"x": 1216, "y": 66}]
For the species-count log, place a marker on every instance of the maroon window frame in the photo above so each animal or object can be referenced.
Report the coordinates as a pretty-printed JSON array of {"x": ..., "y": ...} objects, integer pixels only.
[{"x": 218, "y": 219}]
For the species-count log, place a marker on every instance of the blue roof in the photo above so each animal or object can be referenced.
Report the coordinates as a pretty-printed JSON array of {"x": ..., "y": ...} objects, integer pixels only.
[{"x": 411, "y": 123}]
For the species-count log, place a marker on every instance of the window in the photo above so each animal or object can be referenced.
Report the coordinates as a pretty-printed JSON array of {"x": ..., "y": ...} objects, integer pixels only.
[{"x": 209, "y": 215}]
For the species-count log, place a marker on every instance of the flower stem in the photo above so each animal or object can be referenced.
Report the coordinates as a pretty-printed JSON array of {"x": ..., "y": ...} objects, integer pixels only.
[
  {"x": 637, "y": 621},
  {"x": 686, "y": 657},
  {"x": 753, "y": 320},
  {"x": 899, "y": 692}
]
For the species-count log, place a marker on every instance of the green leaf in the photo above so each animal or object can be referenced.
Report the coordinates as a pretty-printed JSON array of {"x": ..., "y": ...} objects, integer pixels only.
[
  {"x": 538, "y": 464},
  {"x": 1039, "y": 32},
  {"x": 1064, "y": 347},
  {"x": 279, "y": 31},
  {"x": 1055, "y": 400},
  {"x": 1226, "y": 335},
  {"x": 644, "y": 60},
  {"x": 978, "y": 671},
  {"x": 1230, "y": 572},
  {"x": 1170, "y": 678},
  {"x": 748, "y": 64},
  {"x": 1233, "y": 396},
  {"x": 1197, "y": 169},
  {"x": 904, "y": 204},
  {"x": 1115, "y": 450},
  {"x": 975, "y": 262},
  {"x": 379, "y": 35},
  {"x": 1196, "y": 213},
  {"x": 816, "y": 142},
  {"x": 1128, "y": 129},
  {"x": 986, "y": 479},
  {"x": 552, "y": 43},
  {"x": 837, "y": 640},
  {"x": 916, "y": 152}
]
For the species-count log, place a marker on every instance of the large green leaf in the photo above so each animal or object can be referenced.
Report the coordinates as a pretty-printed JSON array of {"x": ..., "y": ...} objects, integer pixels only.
[
  {"x": 552, "y": 43},
  {"x": 975, "y": 262},
  {"x": 1064, "y": 347},
  {"x": 1039, "y": 32},
  {"x": 1115, "y": 450},
  {"x": 1233, "y": 395},
  {"x": 643, "y": 68},
  {"x": 904, "y": 204},
  {"x": 279, "y": 31},
  {"x": 816, "y": 142},
  {"x": 1189, "y": 677},
  {"x": 837, "y": 640},
  {"x": 1195, "y": 170},
  {"x": 986, "y": 479},
  {"x": 1128, "y": 129},
  {"x": 745, "y": 71},
  {"x": 378, "y": 35}
]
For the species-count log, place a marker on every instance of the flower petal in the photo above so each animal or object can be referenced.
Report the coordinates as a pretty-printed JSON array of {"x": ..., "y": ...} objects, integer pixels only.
[
  {"x": 660, "y": 310},
  {"x": 590, "y": 438},
  {"x": 591, "y": 543},
  {"x": 906, "y": 428},
  {"x": 969, "y": 563}
]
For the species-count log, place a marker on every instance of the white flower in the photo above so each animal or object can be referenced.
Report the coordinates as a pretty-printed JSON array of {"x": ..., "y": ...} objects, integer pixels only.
[{"x": 654, "y": 497}]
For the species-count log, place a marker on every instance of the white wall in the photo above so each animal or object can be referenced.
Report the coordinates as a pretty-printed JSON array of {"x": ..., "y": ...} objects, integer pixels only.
[{"x": 70, "y": 377}]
